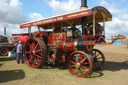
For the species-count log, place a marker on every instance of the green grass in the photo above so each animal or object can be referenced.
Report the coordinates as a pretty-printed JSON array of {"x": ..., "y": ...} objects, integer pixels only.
[{"x": 12, "y": 73}]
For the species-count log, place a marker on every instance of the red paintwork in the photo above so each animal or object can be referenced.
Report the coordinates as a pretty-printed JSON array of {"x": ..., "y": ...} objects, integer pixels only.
[
  {"x": 39, "y": 33},
  {"x": 100, "y": 39},
  {"x": 69, "y": 46},
  {"x": 74, "y": 47},
  {"x": 89, "y": 37},
  {"x": 69, "y": 16},
  {"x": 59, "y": 18},
  {"x": 19, "y": 35},
  {"x": 23, "y": 34},
  {"x": 79, "y": 66},
  {"x": 23, "y": 38},
  {"x": 60, "y": 45},
  {"x": 34, "y": 49},
  {"x": 59, "y": 40},
  {"x": 50, "y": 41},
  {"x": 4, "y": 52},
  {"x": 59, "y": 37}
]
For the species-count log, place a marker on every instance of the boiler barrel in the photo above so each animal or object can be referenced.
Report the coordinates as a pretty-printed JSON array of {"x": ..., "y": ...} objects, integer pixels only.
[{"x": 75, "y": 45}]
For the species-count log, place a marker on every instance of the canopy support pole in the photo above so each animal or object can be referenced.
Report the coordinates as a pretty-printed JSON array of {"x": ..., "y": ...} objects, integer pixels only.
[
  {"x": 94, "y": 32},
  {"x": 29, "y": 31},
  {"x": 61, "y": 25},
  {"x": 104, "y": 24},
  {"x": 39, "y": 28}
]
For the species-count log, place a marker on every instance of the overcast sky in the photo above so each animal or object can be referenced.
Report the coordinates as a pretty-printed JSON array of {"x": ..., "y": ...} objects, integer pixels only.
[{"x": 15, "y": 12}]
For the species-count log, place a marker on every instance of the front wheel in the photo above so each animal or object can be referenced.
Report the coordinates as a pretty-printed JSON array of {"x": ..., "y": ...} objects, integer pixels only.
[
  {"x": 3, "y": 51},
  {"x": 79, "y": 64}
]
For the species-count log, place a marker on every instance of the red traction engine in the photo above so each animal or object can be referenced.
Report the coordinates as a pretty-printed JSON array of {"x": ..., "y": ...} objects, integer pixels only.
[{"x": 66, "y": 44}]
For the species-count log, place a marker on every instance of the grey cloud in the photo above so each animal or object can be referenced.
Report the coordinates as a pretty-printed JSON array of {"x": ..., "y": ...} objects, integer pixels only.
[
  {"x": 11, "y": 12},
  {"x": 61, "y": 7},
  {"x": 116, "y": 26}
]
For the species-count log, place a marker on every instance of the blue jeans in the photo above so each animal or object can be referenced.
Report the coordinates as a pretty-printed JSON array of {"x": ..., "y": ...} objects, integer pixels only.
[{"x": 20, "y": 57}]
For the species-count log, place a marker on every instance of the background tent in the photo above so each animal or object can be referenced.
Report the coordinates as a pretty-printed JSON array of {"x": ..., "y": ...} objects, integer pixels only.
[{"x": 117, "y": 43}]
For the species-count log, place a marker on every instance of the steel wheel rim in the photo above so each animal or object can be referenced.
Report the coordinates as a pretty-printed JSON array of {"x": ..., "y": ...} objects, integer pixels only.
[
  {"x": 4, "y": 52},
  {"x": 38, "y": 35},
  {"x": 79, "y": 66},
  {"x": 33, "y": 53},
  {"x": 98, "y": 59}
]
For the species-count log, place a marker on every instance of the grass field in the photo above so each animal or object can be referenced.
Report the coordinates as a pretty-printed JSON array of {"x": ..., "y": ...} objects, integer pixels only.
[{"x": 115, "y": 72}]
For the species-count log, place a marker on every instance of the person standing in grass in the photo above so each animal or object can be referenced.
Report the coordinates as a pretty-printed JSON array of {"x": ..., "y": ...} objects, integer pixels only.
[{"x": 19, "y": 53}]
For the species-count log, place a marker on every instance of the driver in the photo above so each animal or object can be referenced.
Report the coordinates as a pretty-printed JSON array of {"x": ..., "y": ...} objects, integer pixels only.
[{"x": 98, "y": 28}]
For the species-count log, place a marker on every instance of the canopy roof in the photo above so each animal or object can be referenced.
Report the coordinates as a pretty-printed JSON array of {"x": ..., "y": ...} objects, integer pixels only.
[{"x": 74, "y": 17}]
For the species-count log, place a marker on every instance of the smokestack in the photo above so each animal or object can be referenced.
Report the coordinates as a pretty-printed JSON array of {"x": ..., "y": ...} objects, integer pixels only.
[
  {"x": 84, "y": 19},
  {"x": 4, "y": 30},
  {"x": 83, "y": 4}
]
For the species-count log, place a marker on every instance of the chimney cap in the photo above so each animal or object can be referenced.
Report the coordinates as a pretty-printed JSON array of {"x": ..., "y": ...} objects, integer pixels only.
[{"x": 83, "y": 4}]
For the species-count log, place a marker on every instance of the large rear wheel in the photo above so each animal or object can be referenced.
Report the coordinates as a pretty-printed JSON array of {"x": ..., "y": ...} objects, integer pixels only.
[
  {"x": 35, "y": 52},
  {"x": 79, "y": 64}
]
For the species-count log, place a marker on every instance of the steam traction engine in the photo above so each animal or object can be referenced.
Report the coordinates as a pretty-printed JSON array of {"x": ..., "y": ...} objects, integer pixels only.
[{"x": 66, "y": 43}]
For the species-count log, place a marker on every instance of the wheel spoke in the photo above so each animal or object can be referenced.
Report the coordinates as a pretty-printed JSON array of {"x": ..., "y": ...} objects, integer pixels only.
[
  {"x": 36, "y": 46},
  {"x": 38, "y": 60},
  {"x": 75, "y": 59},
  {"x": 85, "y": 67},
  {"x": 28, "y": 44},
  {"x": 38, "y": 51},
  {"x": 80, "y": 56},
  {"x": 27, "y": 52},
  {"x": 81, "y": 72},
  {"x": 95, "y": 65},
  {"x": 74, "y": 70},
  {"x": 78, "y": 72},
  {"x": 38, "y": 56},
  {"x": 34, "y": 54},
  {"x": 31, "y": 48},
  {"x": 73, "y": 62},
  {"x": 33, "y": 45},
  {"x": 85, "y": 63},
  {"x": 83, "y": 60},
  {"x": 97, "y": 55},
  {"x": 30, "y": 59},
  {"x": 99, "y": 58},
  {"x": 98, "y": 63},
  {"x": 79, "y": 64},
  {"x": 72, "y": 66}
]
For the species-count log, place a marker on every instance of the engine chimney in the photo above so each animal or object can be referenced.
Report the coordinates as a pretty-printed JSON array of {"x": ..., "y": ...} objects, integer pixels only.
[
  {"x": 83, "y": 4},
  {"x": 4, "y": 30},
  {"x": 84, "y": 19}
]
